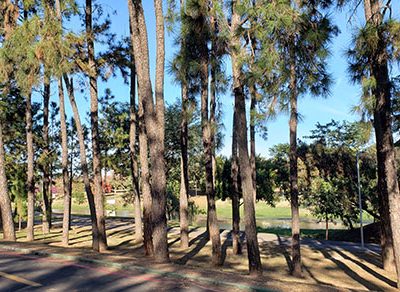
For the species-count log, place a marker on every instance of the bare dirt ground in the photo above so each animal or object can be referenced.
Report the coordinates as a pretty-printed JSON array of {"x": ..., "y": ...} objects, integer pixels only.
[{"x": 327, "y": 266}]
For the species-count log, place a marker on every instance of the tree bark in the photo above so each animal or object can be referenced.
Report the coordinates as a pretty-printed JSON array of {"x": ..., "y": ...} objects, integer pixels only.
[
  {"x": 326, "y": 227},
  {"x": 253, "y": 104},
  {"x": 94, "y": 122},
  {"x": 30, "y": 171},
  {"x": 10, "y": 16},
  {"x": 236, "y": 242},
  {"x": 66, "y": 181},
  {"x": 293, "y": 172},
  {"x": 85, "y": 171},
  {"x": 157, "y": 137},
  {"x": 253, "y": 251},
  {"x": 135, "y": 9},
  {"x": 46, "y": 221},
  {"x": 389, "y": 196},
  {"x": 184, "y": 185},
  {"x": 64, "y": 163},
  {"x": 133, "y": 155},
  {"x": 208, "y": 154},
  {"x": 153, "y": 117},
  {"x": 5, "y": 202}
]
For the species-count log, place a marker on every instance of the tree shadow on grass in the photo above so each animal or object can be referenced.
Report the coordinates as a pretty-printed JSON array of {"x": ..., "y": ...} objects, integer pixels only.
[
  {"x": 285, "y": 253},
  {"x": 348, "y": 271},
  {"x": 179, "y": 238},
  {"x": 367, "y": 269},
  {"x": 201, "y": 240}
]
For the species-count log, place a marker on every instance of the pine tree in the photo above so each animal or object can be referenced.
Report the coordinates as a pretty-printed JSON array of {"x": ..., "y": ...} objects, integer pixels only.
[
  {"x": 153, "y": 118},
  {"x": 373, "y": 51}
]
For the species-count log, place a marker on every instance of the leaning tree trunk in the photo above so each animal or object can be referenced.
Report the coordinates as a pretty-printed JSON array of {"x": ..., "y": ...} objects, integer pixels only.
[
  {"x": 248, "y": 190},
  {"x": 5, "y": 202},
  {"x": 296, "y": 269},
  {"x": 133, "y": 155},
  {"x": 64, "y": 163},
  {"x": 236, "y": 242},
  {"x": 46, "y": 221},
  {"x": 85, "y": 171},
  {"x": 94, "y": 122},
  {"x": 141, "y": 57},
  {"x": 389, "y": 196},
  {"x": 30, "y": 171}
]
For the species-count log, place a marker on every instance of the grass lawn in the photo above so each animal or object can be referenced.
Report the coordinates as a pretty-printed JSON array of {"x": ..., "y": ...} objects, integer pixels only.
[{"x": 263, "y": 210}]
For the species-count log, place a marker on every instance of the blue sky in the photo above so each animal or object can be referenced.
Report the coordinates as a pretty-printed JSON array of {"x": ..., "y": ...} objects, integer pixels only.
[{"x": 337, "y": 106}]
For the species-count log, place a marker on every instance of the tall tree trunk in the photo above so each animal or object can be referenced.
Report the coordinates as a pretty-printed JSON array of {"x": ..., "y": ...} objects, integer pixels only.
[
  {"x": 213, "y": 227},
  {"x": 46, "y": 221},
  {"x": 85, "y": 171},
  {"x": 133, "y": 155},
  {"x": 140, "y": 53},
  {"x": 5, "y": 202},
  {"x": 64, "y": 163},
  {"x": 145, "y": 184},
  {"x": 389, "y": 196},
  {"x": 253, "y": 103},
  {"x": 10, "y": 16},
  {"x": 236, "y": 242},
  {"x": 30, "y": 171},
  {"x": 153, "y": 115},
  {"x": 94, "y": 122},
  {"x": 66, "y": 178},
  {"x": 184, "y": 185},
  {"x": 157, "y": 137},
  {"x": 293, "y": 172},
  {"x": 253, "y": 251}
]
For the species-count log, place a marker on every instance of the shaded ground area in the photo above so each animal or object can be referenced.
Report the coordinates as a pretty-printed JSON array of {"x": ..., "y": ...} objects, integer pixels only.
[
  {"x": 26, "y": 272},
  {"x": 327, "y": 265}
]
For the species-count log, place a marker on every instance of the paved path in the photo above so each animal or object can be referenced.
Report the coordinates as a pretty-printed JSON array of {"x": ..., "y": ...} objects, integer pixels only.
[{"x": 19, "y": 272}]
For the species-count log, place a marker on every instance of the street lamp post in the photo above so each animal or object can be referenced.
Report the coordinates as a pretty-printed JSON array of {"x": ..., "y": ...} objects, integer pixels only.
[{"x": 359, "y": 199}]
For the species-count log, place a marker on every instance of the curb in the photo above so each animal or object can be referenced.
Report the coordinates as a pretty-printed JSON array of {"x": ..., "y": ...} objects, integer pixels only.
[{"x": 134, "y": 268}]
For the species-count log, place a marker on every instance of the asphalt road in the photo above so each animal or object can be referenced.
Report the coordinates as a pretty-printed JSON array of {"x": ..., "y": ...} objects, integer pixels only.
[{"x": 19, "y": 272}]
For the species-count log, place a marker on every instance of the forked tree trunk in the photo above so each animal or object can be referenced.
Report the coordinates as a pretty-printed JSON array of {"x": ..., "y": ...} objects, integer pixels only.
[
  {"x": 94, "y": 122},
  {"x": 5, "y": 202},
  {"x": 30, "y": 170},
  {"x": 46, "y": 221},
  {"x": 85, "y": 170},
  {"x": 157, "y": 137},
  {"x": 253, "y": 251},
  {"x": 184, "y": 185},
  {"x": 296, "y": 268},
  {"x": 236, "y": 242},
  {"x": 64, "y": 163},
  {"x": 153, "y": 115},
  {"x": 133, "y": 7},
  {"x": 389, "y": 196}
]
